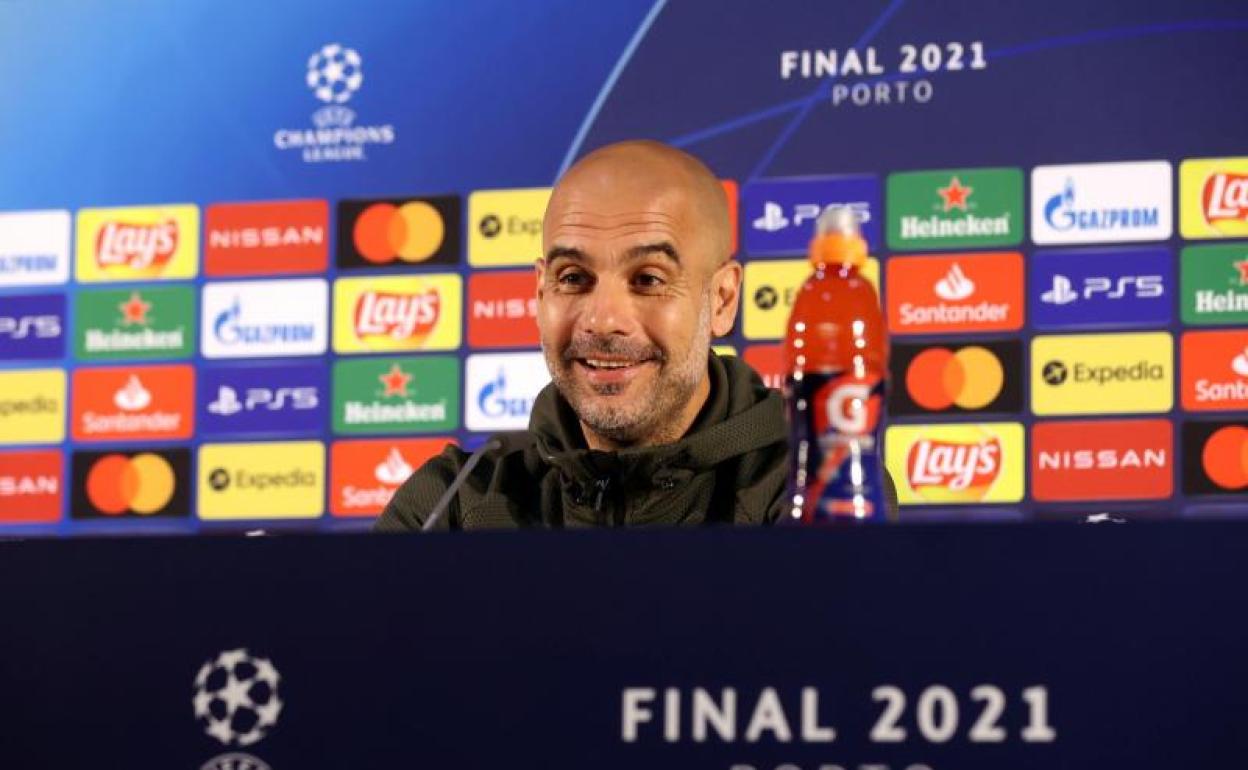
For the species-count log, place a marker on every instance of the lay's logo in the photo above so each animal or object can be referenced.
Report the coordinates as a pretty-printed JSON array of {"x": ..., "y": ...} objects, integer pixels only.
[
  {"x": 1225, "y": 198},
  {"x": 391, "y": 313},
  {"x": 398, "y": 316},
  {"x": 956, "y": 464},
  {"x": 137, "y": 243}
]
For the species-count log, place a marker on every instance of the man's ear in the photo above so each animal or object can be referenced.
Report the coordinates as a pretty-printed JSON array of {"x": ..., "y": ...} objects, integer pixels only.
[{"x": 725, "y": 297}]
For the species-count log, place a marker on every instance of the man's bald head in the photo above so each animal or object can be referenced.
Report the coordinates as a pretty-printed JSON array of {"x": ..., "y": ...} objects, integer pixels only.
[{"x": 640, "y": 174}]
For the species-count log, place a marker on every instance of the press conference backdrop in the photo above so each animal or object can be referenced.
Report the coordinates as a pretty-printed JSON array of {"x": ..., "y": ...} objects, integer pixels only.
[{"x": 259, "y": 261}]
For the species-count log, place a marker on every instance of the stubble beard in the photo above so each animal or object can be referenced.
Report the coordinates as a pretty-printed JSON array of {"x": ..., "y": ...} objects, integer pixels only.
[{"x": 649, "y": 417}]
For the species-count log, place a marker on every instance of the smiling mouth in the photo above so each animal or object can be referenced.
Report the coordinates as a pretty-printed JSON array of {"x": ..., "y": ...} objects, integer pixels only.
[{"x": 604, "y": 363}]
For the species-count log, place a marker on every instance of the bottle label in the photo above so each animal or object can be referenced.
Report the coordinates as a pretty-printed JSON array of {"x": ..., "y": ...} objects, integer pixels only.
[{"x": 834, "y": 420}]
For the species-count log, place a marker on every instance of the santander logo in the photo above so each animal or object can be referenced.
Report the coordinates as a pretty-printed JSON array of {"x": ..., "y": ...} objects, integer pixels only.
[
  {"x": 136, "y": 246},
  {"x": 1225, "y": 197},
  {"x": 969, "y": 468},
  {"x": 399, "y": 316}
]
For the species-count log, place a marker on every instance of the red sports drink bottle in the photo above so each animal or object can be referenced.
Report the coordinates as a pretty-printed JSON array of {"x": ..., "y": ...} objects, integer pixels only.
[{"x": 836, "y": 360}]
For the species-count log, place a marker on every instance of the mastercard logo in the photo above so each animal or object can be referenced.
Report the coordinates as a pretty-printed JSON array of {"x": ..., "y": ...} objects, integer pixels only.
[
  {"x": 1225, "y": 458},
  {"x": 143, "y": 484},
  {"x": 970, "y": 378},
  {"x": 412, "y": 232}
]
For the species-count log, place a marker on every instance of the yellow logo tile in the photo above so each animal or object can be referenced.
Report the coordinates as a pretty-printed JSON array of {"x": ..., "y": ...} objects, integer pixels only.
[
  {"x": 724, "y": 350},
  {"x": 1102, "y": 373},
  {"x": 505, "y": 226},
  {"x": 771, "y": 287},
  {"x": 956, "y": 464},
  {"x": 32, "y": 406},
  {"x": 138, "y": 243},
  {"x": 284, "y": 480},
  {"x": 388, "y": 313},
  {"x": 1213, "y": 198}
]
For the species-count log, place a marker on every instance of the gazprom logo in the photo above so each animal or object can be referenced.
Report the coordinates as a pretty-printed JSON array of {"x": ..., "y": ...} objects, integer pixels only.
[
  {"x": 500, "y": 389},
  {"x": 247, "y": 319},
  {"x": 1101, "y": 202}
]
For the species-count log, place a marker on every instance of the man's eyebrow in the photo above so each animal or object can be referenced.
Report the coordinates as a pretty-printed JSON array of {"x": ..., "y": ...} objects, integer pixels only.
[
  {"x": 565, "y": 252},
  {"x": 659, "y": 247}
]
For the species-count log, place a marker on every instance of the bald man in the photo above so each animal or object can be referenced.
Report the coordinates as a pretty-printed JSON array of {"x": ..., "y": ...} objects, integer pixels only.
[{"x": 642, "y": 424}]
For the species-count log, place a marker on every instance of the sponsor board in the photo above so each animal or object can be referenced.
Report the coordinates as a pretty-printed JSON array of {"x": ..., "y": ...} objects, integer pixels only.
[
  {"x": 261, "y": 399},
  {"x": 276, "y": 480},
  {"x": 137, "y": 243},
  {"x": 396, "y": 395},
  {"x": 1101, "y": 202},
  {"x": 955, "y": 208},
  {"x": 365, "y": 473},
  {"x": 1215, "y": 458},
  {"x": 1102, "y": 460},
  {"x": 779, "y": 214},
  {"x": 768, "y": 361},
  {"x": 261, "y": 319},
  {"x": 957, "y": 293},
  {"x": 500, "y": 388},
  {"x": 399, "y": 232},
  {"x": 266, "y": 238},
  {"x": 32, "y": 327},
  {"x": 979, "y": 377},
  {"x": 770, "y": 289},
  {"x": 32, "y": 406},
  {"x": 950, "y": 464},
  {"x": 1091, "y": 288},
  {"x": 1213, "y": 370},
  {"x": 505, "y": 226},
  {"x": 1215, "y": 284},
  {"x": 1213, "y": 198},
  {"x": 1102, "y": 373},
  {"x": 131, "y": 403},
  {"x": 31, "y": 486},
  {"x": 393, "y": 313},
  {"x": 139, "y": 483},
  {"x": 139, "y": 323},
  {"x": 34, "y": 248},
  {"x": 502, "y": 310}
]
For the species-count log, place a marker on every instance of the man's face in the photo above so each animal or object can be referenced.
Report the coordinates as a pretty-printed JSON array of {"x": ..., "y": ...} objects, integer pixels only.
[{"x": 627, "y": 297}]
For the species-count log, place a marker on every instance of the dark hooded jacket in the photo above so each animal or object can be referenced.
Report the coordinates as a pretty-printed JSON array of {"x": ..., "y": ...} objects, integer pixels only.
[{"x": 730, "y": 467}]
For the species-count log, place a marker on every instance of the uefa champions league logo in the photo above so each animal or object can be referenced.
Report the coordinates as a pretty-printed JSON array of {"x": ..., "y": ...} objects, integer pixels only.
[
  {"x": 335, "y": 73},
  {"x": 236, "y": 697}
]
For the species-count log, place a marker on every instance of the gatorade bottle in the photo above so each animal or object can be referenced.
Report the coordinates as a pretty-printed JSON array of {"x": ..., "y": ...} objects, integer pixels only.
[{"x": 836, "y": 359}]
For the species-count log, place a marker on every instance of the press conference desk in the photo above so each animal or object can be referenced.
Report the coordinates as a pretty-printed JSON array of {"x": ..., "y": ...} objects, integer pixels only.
[{"x": 995, "y": 646}]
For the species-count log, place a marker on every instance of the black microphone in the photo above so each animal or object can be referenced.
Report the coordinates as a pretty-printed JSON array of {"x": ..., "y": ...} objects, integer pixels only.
[{"x": 506, "y": 442}]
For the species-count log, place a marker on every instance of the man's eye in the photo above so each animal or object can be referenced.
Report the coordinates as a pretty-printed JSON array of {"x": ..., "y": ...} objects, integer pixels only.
[
  {"x": 648, "y": 280},
  {"x": 572, "y": 279}
]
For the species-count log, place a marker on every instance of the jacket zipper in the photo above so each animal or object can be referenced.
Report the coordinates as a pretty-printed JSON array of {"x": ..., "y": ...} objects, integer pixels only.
[{"x": 600, "y": 493}]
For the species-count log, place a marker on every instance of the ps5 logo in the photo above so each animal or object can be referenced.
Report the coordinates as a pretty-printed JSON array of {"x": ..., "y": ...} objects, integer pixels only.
[
  {"x": 228, "y": 403},
  {"x": 774, "y": 219},
  {"x": 1063, "y": 290}
]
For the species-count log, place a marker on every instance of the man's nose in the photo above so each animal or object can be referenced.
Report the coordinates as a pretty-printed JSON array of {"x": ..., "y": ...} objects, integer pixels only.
[{"x": 609, "y": 309}]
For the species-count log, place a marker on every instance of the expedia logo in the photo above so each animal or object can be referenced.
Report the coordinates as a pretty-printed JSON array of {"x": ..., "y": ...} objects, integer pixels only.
[
  {"x": 141, "y": 483},
  {"x": 1102, "y": 373},
  {"x": 1057, "y": 373},
  {"x": 771, "y": 287},
  {"x": 399, "y": 231},
  {"x": 505, "y": 226},
  {"x": 269, "y": 480}
]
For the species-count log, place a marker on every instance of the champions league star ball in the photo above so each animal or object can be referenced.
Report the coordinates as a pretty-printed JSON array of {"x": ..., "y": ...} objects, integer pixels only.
[
  {"x": 236, "y": 698},
  {"x": 335, "y": 73}
]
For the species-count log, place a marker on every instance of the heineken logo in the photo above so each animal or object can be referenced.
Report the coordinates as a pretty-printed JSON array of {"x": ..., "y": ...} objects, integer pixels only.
[
  {"x": 396, "y": 395},
  {"x": 960, "y": 207},
  {"x": 135, "y": 324},
  {"x": 1215, "y": 284}
]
